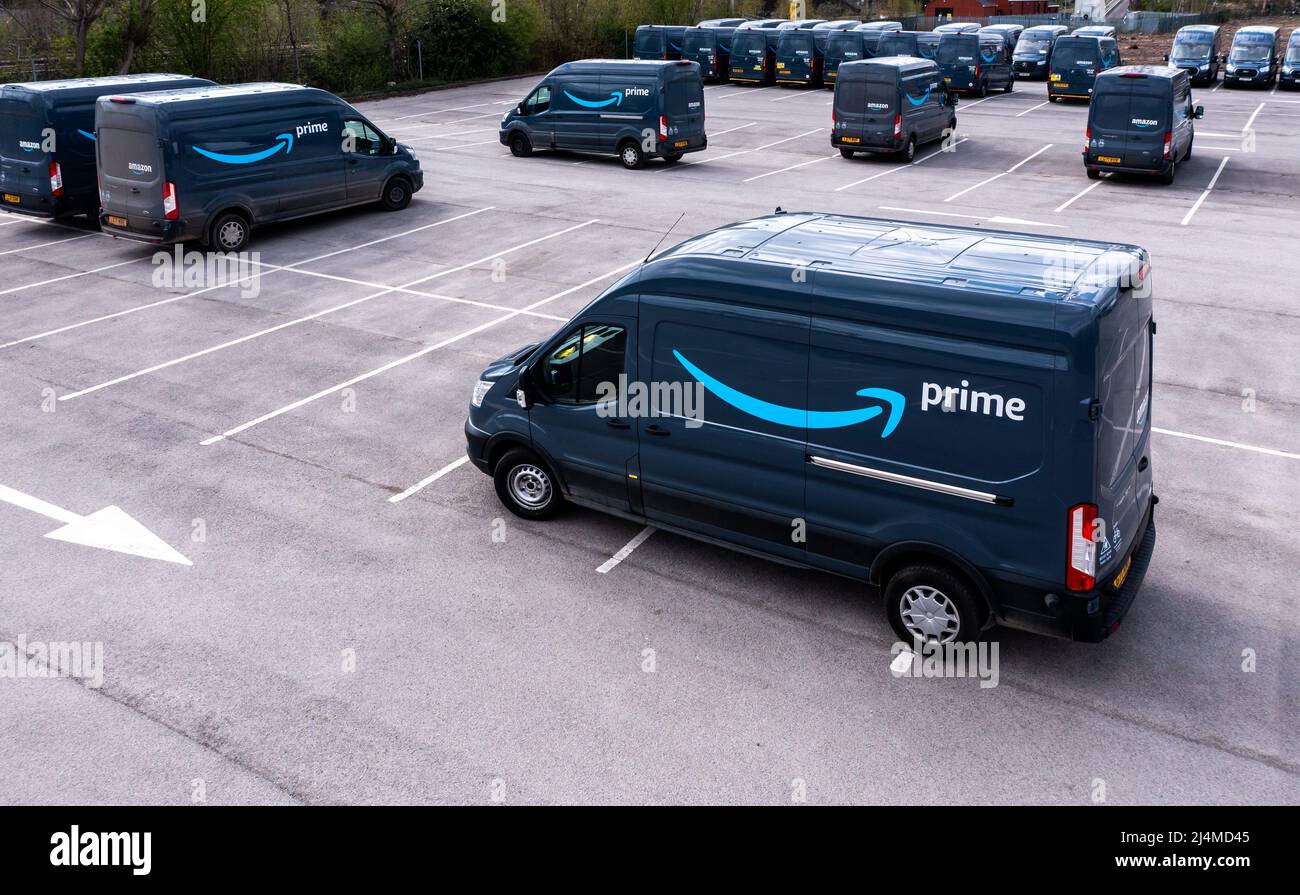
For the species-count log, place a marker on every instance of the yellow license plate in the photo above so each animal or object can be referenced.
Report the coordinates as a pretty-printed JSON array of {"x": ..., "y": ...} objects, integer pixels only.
[
  {"x": 680, "y": 143},
  {"x": 116, "y": 221},
  {"x": 850, "y": 139},
  {"x": 1123, "y": 573},
  {"x": 1056, "y": 77},
  {"x": 1109, "y": 159},
  {"x": 758, "y": 68},
  {"x": 10, "y": 197},
  {"x": 947, "y": 80}
]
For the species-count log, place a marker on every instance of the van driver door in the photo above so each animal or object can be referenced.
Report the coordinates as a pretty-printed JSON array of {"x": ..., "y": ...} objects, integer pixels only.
[
  {"x": 538, "y": 122},
  {"x": 366, "y": 160}
]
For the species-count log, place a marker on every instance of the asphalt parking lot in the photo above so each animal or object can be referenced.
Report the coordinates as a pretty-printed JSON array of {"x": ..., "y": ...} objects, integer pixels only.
[{"x": 362, "y": 621}]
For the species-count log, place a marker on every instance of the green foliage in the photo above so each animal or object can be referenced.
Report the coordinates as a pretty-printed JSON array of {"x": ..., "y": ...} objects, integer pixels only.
[
  {"x": 463, "y": 39},
  {"x": 350, "y": 55}
]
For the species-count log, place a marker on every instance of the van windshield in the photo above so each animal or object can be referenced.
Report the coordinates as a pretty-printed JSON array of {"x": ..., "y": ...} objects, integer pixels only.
[
  {"x": 698, "y": 42},
  {"x": 1038, "y": 45},
  {"x": 1251, "y": 49},
  {"x": 957, "y": 49},
  {"x": 129, "y": 154},
  {"x": 1193, "y": 47},
  {"x": 1074, "y": 55},
  {"x": 864, "y": 97},
  {"x": 1293, "y": 53},
  {"x": 749, "y": 43}
]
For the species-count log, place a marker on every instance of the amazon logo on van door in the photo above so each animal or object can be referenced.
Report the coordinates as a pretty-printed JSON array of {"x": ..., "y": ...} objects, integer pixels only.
[
  {"x": 282, "y": 142},
  {"x": 615, "y": 97}
]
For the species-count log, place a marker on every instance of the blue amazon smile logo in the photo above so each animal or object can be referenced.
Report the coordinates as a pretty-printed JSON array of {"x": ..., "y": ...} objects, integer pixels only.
[
  {"x": 918, "y": 101},
  {"x": 796, "y": 417},
  {"x": 989, "y": 55},
  {"x": 615, "y": 99},
  {"x": 282, "y": 142},
  {"x": 87, "y": 134}
]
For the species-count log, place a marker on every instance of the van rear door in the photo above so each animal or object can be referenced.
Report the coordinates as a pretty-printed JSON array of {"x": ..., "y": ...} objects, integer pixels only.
[
  {"x": 1124, "y": 427},
  {"x": 24, "y": 164},
  {"x": 131, "y": 171},
  {"x": 865, "y": 106},
  {"x": 684, "y": 107}
]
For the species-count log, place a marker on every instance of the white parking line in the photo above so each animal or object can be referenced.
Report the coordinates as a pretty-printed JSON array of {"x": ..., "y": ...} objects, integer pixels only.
[
  {"x": 387, "y": 290},
  {"x": 718, "y": 158},
  {"x": 1031, "y": 108},
  {"x": 987, "y": 180},
  {"x": 463, "y": 145},
  {"x": 995, "y": 219},
  {"x": 923, "y": 158},
  {"x": 429, "y": 480},
  {"x": 1251, "y": 120},
  {"x": 71, "y": 276},
  {"x": 410, "y": 357},
  {"x": 45, "y": 245},
  {"x": 438, "y": 111},
  {"x": 626, "y": 550},
  {"x": 477, "y": 130},
  {"x": 1079, "y": 195},
  {"x": 1273, "y": 452},
  {"x": 966, "y": 107},
  {"x": 806, "y": 92},
  {"x": 745, "y": 90},
  {"x": 790, "y": 168},
  {"x": 739, "y": 127},
  {"x": 1204, "y": 195}
]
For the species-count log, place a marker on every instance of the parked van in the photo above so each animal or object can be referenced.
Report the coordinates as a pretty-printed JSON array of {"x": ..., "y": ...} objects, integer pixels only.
[
  {"x": 831, "y": 402},
  {"x": 1032, "y": 57},
  {"x": 1009, "y": 33},
  {"x": 900, "y": 43},
  {"x": 634, "y": 108},
  {"x": 212, "y": 163},
  {"x": 1140, "y": 121},
  {"x": 658, "y": 41},
  {"x": 927, "y": 44},
  {"x": 1196, "y": 49},
  {"x": 720, "y": 23},
  {"x": 753, "y": 51},
  {"x": 798, "y": 57},
  {"x": 842, "y": 46},
  {"x": 891, "y": 104},
  {"x": 1076, "y": 62},
  {"x": 1094, "y": 31},
  {"x": 1254, "y": 57},
  {"x": 1289, "y": 79},
  {"x": 709, "y": 46},
  {"x": 47, "y": 141},
  {"x": 975, "y": 63},
  {"x": 957, "y": 28}
]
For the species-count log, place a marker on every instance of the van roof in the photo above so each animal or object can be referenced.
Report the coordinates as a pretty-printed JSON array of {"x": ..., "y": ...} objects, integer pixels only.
[
  {"x": 1165, "y": 72},
  {"x": 754, "y": 24},
  {"x": 1259, "y": 29},
  {"x": 618, "y": 66},
  {"x": 1045, "y": 29},
  {"x": 111, "y": 81},
  {"x": 902, "y": 63},
  {"x": 194, "y": 94},
  {"x": 1021, "y": 266},
  {"x": 1210, "y": 28}
]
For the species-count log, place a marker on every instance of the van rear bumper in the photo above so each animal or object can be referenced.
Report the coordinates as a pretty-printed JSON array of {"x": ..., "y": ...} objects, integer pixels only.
[
  {"x": 165, "y": 233},
  {"x": 1151, "y": 171},
  {"x": 47, "y": 207}
]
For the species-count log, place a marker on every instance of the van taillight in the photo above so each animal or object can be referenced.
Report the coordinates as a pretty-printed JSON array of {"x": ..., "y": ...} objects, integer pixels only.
[
  {"x": 898, "y": 125},
  {"x": 56, "y": 179},
  {"x": 977, "y": 72},
  {"x": 1087, "y": 140},
  {"x": 663, "y": 127},
  {"x": 1081, "y": 570},
  {"x": 1169, "y": 143},
  {"x": 171, "y": 209}
]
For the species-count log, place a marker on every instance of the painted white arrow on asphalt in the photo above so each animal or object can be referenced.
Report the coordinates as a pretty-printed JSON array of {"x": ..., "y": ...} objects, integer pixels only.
[{"x": 109, "y": 529}]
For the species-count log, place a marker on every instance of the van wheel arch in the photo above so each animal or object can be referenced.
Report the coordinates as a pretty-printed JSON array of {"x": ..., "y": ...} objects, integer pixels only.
[
  {"x": 386, "y": 199},
  {"x": 500, "y": 445},
  {"x": 209, "y": 231},
  {"x": 906, "y": 553}
]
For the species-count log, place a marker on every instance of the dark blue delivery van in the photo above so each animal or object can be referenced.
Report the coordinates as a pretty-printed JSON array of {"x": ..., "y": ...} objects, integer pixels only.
[
  {"x": 798, "y": 56},
  {"x": 975, "y": 62},
  {"x": 1253, "y": 58},
  {"x": 1032, "y": 57},
  {"x": 636, "y": 109},
  {"x": 212, "y": 163},
  {"x": 47, "y": 140},
  {"x": 890, "y": 105},
  {"x": 1141, "y": 121},
  {"x": 658, "y": 41},
  {"x": 753, "y": 51},
  {"x": 1196, "y": 48},
  {"x": 1290, "y": 77},
  {"x": 709, "y": 46},
  {"x": 1076, "y": 62},
  {"x": 793, "y": 387}
]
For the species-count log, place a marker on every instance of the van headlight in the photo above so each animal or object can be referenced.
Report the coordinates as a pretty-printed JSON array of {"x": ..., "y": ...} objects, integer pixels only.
[{"x": 481, "y": 388}]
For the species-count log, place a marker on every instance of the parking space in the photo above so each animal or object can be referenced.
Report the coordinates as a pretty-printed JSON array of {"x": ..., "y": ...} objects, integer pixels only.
[{"x": 363, "y": 620}]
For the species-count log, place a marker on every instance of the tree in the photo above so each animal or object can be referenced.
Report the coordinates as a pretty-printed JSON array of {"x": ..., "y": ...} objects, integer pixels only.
[
  {"x": 135, "y": 31},
  {"x": 394, "y": 14},
  {"x": 81, "y": 14}
]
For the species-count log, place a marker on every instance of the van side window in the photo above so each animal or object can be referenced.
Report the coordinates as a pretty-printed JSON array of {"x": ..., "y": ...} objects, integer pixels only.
[
  {"x": 364, "y": 141},
  {"x": 573, "y": 372},
  {"x": 539, "y": 101}
]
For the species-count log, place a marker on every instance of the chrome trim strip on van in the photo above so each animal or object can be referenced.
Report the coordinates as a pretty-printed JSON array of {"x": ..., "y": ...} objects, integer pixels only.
[
  {"x": 899, "y": 479},
  {"x": 622, "y": 117}
]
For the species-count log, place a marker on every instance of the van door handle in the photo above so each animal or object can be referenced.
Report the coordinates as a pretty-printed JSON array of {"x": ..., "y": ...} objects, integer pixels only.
[
  {"x": 660, "y": 431},
  {"x": 1142, "y": 464},
  {"x": 618, "y": 424}
]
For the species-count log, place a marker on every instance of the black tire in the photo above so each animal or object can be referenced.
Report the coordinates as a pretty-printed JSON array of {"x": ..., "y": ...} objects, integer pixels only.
[
  {"x": 672, "y": 158},
  {"x": 630, "y": 154},
  {"x": 230, "y": 231},
  {"x": 527, "y": 486},
  {"x": 983, "y": 89},
  {"x": 939, "y": 604},
  {"x": 1190, "y": 144},
  {"x": 397, "y": 194},
  {"x": 1052, "y": 99},
  {"x": 1011, "y": 85},
  {"x": 1093, "y": 174},
  {"x": 1168, "y": 177},
  {"x": 846, "y": 153},
  {"x": 520, "y": 145},
  {"x": 908, "y": 152}
]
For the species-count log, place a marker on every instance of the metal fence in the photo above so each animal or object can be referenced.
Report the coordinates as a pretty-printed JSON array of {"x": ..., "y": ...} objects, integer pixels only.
[{"x": 1164, "y": 22}]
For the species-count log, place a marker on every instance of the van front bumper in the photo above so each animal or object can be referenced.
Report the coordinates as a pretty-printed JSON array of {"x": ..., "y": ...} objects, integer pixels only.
[{"x": 476, "y": 446}]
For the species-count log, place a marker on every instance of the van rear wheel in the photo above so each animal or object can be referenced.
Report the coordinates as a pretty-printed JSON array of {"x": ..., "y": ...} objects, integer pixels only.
[
  {"x": 397, "y": 194},
  {"x": 931, "y": 603},
  {"x": 1093, "y": 174},
  {"x": 908, "y": 152},
  {"x": 630, "y": 155},
  {"x": 229, "y": 232},
  {"x": 672, "y": 158},
  {"x": 846, "y": 153},
  {"x": 520, "y": 146},
  {"x": 1168, "y": 176},
  {"x": 526, "y": 486}
]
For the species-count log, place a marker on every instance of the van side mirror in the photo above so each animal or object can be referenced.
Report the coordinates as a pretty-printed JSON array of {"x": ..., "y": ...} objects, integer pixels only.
[
  {"x": 1198, "y": 112},
  {"x": 1165, "y": 57}
]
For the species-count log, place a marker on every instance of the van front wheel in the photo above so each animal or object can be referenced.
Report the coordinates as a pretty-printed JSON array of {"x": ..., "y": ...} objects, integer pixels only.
[
  {"x": 520, "y": 147},
  {"x": 932, "y": 604},
  {"x": 229, "y": 232},
  {"x": 526, "y": 487},
  {"x": 397, "y": 194},
  {"x": 630, "y": 155}
]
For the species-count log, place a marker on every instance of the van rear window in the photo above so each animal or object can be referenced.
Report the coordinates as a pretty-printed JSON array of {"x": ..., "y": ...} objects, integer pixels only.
[
  {"x": 130, "y": 154},
  {"x": 1074, "y": 55},
  {"x": 649, "y": 42},
  {"x": 957, "y": 50},
  {"x": 20, "y": 131},
  {"x": 749, "y": 44},
  {"x": 864, "y": 97},
  {"x": 685, "y": 96},
  {"x": 698, "y": 41}
]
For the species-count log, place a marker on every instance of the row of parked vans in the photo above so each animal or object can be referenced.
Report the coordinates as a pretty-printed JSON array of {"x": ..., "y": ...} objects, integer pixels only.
[{"x": 164, "y": 159}]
